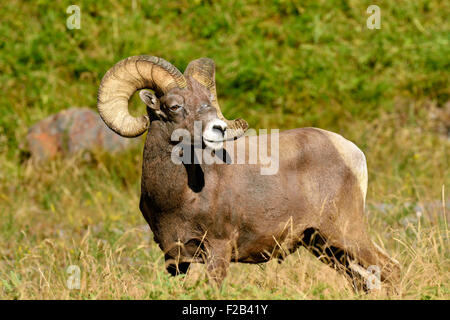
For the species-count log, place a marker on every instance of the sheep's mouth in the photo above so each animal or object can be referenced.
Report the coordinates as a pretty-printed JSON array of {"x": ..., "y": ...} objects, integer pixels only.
[
  {"x": 214, "y": 134},
  {"x": 213, "y": 144}
]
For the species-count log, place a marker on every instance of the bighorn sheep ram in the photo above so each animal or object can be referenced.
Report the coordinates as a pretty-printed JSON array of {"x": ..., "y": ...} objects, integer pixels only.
[{"x": 220, "y": 213}]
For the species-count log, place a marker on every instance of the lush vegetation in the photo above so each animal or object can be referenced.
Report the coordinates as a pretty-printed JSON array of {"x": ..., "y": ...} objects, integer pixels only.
[{"x": 281, "y": 65}]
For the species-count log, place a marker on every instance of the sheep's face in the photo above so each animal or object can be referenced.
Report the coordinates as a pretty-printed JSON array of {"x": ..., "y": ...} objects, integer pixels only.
[{"x": 188, "y": 110}]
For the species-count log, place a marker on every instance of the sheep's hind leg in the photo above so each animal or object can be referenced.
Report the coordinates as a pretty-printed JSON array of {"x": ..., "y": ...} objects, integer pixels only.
[
  {"x": 373, "y": 266},
  {"x": 329, "y": 254},
  {"x": 367, "y": 262},
  {"x": 362, "y": 262}
]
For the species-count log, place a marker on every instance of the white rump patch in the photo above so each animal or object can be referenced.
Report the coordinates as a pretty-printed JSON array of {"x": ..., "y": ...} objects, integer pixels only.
[{"x": 353, "y": 157}]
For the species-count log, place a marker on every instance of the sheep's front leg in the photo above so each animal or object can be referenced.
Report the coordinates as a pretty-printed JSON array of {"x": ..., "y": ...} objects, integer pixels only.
[{"x": 218, "y": 260}]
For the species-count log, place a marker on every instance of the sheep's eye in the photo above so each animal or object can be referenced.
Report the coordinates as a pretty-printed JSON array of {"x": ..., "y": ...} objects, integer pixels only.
[
  {"x": 204, "y": 106},
  {"x": 175, "y": 107}
]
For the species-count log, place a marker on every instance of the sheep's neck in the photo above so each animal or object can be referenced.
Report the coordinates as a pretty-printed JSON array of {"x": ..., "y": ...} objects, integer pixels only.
[{"x": 164, "y": 181}]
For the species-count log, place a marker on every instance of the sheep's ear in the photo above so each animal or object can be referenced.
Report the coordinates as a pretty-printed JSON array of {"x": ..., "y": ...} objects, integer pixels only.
[
  {"x": 150, "y": 99},
  {"x": 152, "y": 102}
]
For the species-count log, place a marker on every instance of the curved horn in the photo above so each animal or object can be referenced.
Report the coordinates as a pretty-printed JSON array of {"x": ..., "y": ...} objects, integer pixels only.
[
  {"x": 123, "y": 80},
  {"x": 203, "y": 70}
]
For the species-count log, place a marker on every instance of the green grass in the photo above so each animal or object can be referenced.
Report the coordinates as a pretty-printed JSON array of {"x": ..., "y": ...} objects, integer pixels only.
[{"x": 279, "y": 65}]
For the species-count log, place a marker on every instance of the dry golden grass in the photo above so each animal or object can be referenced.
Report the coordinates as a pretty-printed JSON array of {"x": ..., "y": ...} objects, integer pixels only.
[{"x": 133, "y": 268}]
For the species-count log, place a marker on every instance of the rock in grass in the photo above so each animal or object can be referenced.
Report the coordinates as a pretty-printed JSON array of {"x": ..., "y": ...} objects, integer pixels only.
[{"x": 72, "y": 131}]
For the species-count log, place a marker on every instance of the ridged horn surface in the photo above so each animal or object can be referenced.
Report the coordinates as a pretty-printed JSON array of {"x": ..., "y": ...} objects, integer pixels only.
[
  {"x": 203, "y": 71},
  {"x": 123, "y": 80}
]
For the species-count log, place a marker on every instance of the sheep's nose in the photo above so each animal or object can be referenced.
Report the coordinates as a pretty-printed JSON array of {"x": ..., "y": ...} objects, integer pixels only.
[{"x": 221, "y": 126}]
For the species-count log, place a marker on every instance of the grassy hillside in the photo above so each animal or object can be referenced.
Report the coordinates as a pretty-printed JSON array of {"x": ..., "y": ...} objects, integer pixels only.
[{"x": 281, "y": 65}]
